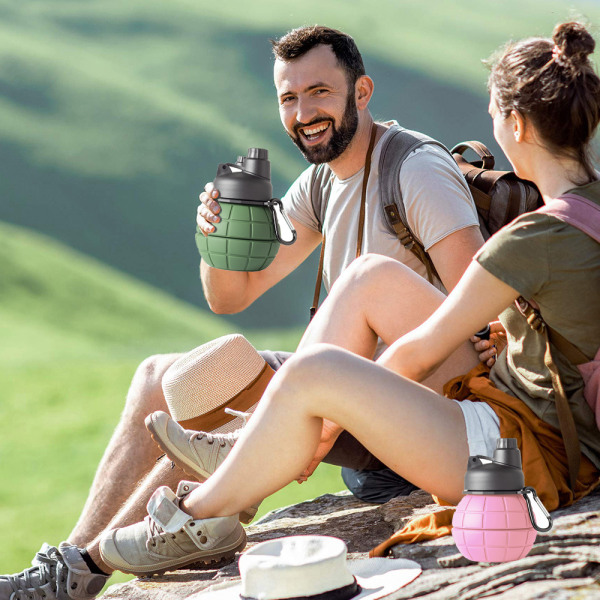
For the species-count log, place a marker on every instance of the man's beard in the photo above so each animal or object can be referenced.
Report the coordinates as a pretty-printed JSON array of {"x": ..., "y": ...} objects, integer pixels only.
[{"x": 340, "y": 138}]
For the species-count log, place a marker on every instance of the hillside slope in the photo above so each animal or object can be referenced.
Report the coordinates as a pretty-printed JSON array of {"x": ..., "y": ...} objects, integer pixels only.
[
  {"x": 72, "y": 333},
  {"x": 113, "y": 115}
]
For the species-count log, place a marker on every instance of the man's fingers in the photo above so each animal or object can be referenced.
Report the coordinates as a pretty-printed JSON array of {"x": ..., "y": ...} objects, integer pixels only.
[
  {"x": 204, "y": 226},
  {"x": 210, "y": 191},
  {"x": 481, "y": 345},
  {"x": 488, "y": 355}
]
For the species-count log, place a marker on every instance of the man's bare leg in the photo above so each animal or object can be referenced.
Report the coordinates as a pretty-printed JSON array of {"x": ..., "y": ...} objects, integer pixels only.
[
  {"x": 130, "y": 454},
  {"x": 134, "y": 509}
]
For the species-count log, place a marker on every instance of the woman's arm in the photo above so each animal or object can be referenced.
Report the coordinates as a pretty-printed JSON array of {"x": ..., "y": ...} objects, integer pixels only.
[{"x": 476, "y": 300}]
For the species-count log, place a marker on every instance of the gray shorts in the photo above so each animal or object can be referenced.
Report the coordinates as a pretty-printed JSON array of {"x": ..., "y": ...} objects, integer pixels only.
[{"x": 483, "y": 427}]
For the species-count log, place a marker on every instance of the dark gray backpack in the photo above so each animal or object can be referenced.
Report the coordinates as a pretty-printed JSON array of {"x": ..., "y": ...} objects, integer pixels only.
[
  {"x": 393, "y": 153},
  {"x": 499, "y": 196}
]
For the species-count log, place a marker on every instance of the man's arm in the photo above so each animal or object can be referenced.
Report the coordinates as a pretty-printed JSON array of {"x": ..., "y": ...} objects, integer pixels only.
[
  {"x": 452, "y": 255},
  {"x": 229, "y": 292}
]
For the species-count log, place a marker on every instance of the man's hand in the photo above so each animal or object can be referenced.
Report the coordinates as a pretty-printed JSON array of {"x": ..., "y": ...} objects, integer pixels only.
[
  {"x": 329, "y": 435},
  {"x": 208, "y": 209},
  {"x": 489, "y": 349}
]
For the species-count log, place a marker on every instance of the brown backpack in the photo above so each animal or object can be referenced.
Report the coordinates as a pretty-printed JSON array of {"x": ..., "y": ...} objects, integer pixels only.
[{"x": 500, "y": 196}]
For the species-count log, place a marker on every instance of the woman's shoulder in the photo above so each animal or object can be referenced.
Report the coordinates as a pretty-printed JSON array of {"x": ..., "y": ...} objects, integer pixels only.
[
  {"x": 532, "y": 226},
  {"x": 590, "y": 191}
]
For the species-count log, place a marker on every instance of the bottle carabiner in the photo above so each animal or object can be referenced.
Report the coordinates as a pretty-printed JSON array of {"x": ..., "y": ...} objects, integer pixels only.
[
  {"x": 527, "y": 493},
  {"x": 278, "y": 215}
]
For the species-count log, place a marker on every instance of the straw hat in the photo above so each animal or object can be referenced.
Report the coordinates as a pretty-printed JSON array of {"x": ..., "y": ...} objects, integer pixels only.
[
  {"x": 302, "y": 566},
  {"x": 225, "y": 373}
]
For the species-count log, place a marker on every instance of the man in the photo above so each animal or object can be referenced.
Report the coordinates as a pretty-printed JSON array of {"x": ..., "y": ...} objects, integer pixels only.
[{"x": 323, "y": 94}]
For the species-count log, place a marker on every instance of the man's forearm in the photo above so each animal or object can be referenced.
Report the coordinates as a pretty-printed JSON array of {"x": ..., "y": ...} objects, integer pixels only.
[{"x": 225, "y": 291}]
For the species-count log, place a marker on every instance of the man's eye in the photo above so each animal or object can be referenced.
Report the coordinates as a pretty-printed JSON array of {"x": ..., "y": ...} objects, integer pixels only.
[{"x": 287, "y": 99}]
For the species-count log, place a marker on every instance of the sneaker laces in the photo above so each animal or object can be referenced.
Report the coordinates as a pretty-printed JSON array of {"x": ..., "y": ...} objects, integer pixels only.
[
  {"x": 226, "y": 438},
  {"x": 50, "y": 568},
  {"x": 154, "y": 531}
]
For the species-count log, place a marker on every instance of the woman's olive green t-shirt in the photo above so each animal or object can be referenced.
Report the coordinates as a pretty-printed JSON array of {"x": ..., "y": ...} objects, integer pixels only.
[{"x": 557, "y": 266}]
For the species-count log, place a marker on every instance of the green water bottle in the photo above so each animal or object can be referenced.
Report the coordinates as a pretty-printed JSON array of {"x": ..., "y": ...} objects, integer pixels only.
[{"x": 253, "y": 224}]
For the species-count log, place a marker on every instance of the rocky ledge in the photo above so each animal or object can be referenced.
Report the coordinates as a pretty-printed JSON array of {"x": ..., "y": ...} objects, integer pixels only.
[{"x": 564, "y": 563}]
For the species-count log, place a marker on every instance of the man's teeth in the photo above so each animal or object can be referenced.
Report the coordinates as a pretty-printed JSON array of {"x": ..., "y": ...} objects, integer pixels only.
[{"x": 315, "y": 130}]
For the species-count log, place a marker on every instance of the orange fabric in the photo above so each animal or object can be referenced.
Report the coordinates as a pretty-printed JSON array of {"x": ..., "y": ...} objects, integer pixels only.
[
  {"x": 542, "y": 450},
  {"x": 421, "y": 529}
]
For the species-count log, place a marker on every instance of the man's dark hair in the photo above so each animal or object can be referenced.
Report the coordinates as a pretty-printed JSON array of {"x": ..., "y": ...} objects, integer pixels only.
[{"x": 299, "y": 41}]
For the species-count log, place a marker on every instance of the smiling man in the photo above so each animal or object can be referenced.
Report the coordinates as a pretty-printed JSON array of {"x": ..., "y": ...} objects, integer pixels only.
[{"x": 323, "y": 94}]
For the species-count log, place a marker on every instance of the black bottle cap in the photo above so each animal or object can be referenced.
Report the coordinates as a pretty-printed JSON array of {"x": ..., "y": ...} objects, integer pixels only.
[
  {"x": 259, "y": 153},
  {"x": 506, "y": 443},
  {"x": 502, "y": 474},
  {"x": 252, "y": 182}
]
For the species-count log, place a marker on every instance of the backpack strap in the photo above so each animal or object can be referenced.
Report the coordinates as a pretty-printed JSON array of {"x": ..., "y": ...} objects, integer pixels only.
[
  {"x": 576, "y": 211},
  {"x": 563, "y": 410},
  {"x": 393, "y": 154},
  {"x": 321, "y": 181},
  {"x": 583, "y": 214}
]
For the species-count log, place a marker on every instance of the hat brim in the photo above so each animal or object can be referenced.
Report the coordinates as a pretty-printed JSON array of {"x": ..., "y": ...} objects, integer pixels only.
[{"x": 377, "y": 577}]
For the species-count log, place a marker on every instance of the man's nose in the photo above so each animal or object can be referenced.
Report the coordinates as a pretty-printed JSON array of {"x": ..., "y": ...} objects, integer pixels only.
[{"x": 306, "y": 110}]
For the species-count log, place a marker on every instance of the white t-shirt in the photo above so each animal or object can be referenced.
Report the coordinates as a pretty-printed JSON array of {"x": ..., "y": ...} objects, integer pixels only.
[{"x": 436, "y": 198}]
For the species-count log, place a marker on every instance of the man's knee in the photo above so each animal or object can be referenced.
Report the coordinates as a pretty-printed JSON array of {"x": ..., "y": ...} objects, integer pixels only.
[
  {"x": 146, "y": 387},
  {"x": 370, "y": 270}
]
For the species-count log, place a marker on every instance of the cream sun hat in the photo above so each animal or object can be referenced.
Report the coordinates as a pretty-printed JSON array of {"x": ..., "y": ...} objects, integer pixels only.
[
  {"x": 312, "y": 566},
  {"x": 225, "y": 373}
]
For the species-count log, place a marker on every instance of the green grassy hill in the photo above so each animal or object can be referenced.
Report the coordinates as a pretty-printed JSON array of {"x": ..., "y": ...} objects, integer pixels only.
[
  {"x": 114, "y": 114},
  {"x": 73, "y": 332}
]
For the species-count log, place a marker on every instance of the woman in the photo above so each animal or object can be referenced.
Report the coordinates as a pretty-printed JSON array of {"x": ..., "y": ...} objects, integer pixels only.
[{"x": 545, "y": 105}]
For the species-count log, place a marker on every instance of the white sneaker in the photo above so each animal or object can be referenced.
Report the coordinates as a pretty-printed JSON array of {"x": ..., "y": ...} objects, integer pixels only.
[
  {"x": 168, "y": 538},
  {"x": 196, "y": 452}
]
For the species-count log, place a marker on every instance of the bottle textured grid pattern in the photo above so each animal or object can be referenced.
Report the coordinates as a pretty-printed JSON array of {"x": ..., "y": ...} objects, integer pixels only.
[
  {"x": 493, "y": 528},
  {"x": 244, "y": 239}
]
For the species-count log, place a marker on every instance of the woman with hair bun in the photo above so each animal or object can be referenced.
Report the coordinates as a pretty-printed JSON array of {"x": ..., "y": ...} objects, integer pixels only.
[{"x": 545, "y": 106}]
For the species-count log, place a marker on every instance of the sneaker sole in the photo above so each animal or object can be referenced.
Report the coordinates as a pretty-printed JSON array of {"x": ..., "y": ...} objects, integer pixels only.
[
  {"x": 177, "y": 564},
  {"x": 185, "y": 464}
]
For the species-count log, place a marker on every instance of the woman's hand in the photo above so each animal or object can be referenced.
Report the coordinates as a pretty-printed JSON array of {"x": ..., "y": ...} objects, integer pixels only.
[
  {"x": 329, "y": 435},
  {"x": 489, "y": 349}
]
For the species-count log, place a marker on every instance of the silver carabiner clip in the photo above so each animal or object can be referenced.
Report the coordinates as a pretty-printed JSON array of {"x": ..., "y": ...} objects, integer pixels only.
[
  {"x": 529, "y": 493},
  {"x": 278, "y": 216}
]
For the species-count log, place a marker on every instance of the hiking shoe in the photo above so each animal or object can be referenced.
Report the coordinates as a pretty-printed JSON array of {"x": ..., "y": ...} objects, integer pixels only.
[
  {"x": 56, "y": 574},
  {"x": 168, "y": 538},
  {"x": 196, "y": 452}
]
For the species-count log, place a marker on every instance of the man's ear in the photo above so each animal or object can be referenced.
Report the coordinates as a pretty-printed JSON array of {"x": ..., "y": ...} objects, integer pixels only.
[{"x": 363, "y": 89}]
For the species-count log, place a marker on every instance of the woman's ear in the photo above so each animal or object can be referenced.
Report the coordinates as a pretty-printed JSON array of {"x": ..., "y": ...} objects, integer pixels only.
[
  {"x": 519, "y": 126},
  {"x": 364, "y": 90}
]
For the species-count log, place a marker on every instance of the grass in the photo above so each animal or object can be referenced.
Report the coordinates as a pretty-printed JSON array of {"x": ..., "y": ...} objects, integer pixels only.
[{"x": 73, "y": 333}]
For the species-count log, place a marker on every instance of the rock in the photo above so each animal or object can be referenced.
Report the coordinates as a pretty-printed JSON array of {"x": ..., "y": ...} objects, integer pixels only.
[{"x": 564, "y": 563}]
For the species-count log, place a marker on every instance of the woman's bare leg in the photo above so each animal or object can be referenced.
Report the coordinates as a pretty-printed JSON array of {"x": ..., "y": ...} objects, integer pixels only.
[
  {"x": 379, "y": 297},
  {"x": 371, "y": 402}
]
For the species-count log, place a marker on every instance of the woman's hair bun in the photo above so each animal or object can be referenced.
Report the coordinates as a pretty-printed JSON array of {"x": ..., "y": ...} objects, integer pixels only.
[{"x": 574, "y": 42}]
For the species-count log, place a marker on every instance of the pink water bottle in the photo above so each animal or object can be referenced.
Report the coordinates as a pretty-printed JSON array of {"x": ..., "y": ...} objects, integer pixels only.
[{"x": 497, "y": 519}]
